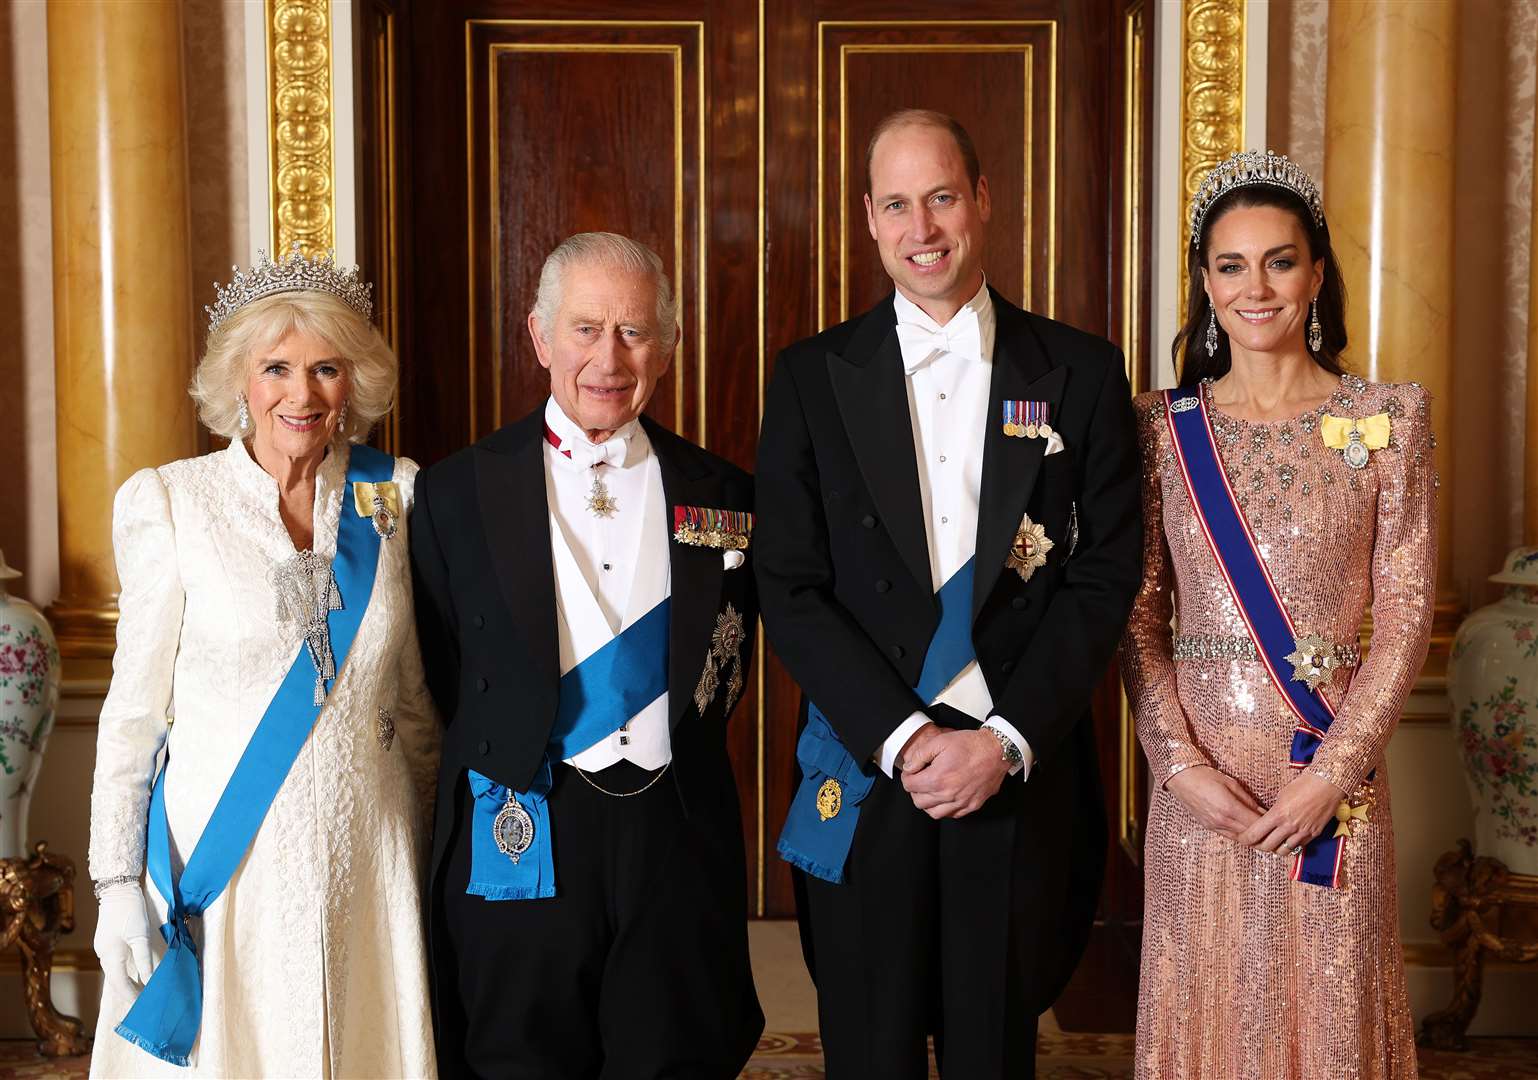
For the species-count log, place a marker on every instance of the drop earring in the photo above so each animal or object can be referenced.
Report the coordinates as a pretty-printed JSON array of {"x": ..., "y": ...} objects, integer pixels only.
[
  {"x": 1315, "y": 331},
  {"x": 1212, "y": 331},
  {"x": 341, "y": 418},
  {"x": 242, "y": 412}
]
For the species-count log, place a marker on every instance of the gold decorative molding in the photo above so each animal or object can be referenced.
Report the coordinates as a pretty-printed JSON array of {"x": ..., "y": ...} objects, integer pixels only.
[
  {"x": 1130, "y": 763},
  {"x": 299, "y": 125},
  {"x": 1211, "y": 99}
]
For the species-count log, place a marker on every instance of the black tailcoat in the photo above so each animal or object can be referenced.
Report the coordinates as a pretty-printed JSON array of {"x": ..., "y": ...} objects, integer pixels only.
[
  {"x": 486, "y": 613},
  {"x": 844, "y": 578}
]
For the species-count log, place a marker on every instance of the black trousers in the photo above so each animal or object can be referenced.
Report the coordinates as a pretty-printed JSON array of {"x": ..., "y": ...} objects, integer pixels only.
[
  {"x": 921, "y": 940},
  {"x": 637, "y": 969}
]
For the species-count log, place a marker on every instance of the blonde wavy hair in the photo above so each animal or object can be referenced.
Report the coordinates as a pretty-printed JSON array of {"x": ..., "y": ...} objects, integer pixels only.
[{"x": 223, "y": 372}]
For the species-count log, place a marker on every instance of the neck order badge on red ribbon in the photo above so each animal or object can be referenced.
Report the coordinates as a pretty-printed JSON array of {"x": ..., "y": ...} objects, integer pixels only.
[{"x": 1277, "y": 641}]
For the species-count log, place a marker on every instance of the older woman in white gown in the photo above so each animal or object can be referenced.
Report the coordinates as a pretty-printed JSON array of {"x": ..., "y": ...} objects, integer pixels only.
[{"x": 241, "y": 620}]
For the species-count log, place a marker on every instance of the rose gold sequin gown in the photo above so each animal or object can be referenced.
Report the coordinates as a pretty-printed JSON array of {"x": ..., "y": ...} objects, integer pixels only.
[{"x": 1245, "y": 973}]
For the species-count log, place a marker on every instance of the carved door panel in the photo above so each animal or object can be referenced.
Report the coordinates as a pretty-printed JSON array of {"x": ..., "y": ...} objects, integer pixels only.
[{"x": 730, "y": 138}]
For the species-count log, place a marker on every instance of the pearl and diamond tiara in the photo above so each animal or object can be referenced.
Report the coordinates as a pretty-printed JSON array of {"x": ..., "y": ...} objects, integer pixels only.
[
  {"x": 293, "y": 274},
  {"x": 1249, "y": 169}
]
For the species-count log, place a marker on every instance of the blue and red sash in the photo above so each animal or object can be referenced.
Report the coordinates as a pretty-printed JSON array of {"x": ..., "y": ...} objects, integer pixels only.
[{"x": 1260, "y": 605}]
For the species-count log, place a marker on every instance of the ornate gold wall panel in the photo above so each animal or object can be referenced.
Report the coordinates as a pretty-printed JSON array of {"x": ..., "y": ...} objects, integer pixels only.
[
  {"x": 299, "y": 122},
  {"x": 1211, "y": 98}
]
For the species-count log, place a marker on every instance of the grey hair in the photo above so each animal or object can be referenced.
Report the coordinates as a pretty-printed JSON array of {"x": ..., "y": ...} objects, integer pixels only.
[
  {"x": 225, "y": 369},
  {"x": 604, "y": 249}
]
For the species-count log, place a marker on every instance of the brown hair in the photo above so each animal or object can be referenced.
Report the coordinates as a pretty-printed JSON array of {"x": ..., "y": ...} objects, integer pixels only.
[
  {"x": 926, "y": 118},
  {"x": 1189, "y": 349}
]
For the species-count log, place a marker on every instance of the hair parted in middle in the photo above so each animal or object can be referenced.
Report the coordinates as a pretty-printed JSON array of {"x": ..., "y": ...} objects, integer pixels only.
[
  {"x": 925, "y": 118},
  {"x": 1189, "y": 350},
  {"x": 604, "y": 249},
  {"x": 225, "y": 369}
]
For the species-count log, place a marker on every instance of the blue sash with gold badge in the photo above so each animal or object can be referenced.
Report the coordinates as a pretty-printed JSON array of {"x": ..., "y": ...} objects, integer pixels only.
[
  {"x": 1260, "y": 604},
  {"x": 165, "y": 1018},
  {"x": 819, "y": 829},
  {"x": 512, "y": 856}
]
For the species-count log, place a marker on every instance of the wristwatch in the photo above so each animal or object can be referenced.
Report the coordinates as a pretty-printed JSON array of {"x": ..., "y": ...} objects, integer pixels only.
[{"x": 1007, "y": 746}]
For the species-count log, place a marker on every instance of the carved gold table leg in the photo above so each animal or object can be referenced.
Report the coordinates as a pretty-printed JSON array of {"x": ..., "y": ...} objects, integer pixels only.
[
  {"x": 1479, "y": 907},
  {"x": 37, "y": 902}
]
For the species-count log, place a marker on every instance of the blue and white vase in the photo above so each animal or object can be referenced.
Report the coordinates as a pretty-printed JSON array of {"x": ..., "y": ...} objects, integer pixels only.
[
  {"x": 29, "y": 694},
  {"x": 1492, "y": 679}
]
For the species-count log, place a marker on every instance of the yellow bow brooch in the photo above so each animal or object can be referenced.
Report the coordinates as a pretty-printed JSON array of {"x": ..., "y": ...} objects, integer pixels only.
[
  {"x": 380, "y": 501},
  {"x": 1354, "y": 438}
]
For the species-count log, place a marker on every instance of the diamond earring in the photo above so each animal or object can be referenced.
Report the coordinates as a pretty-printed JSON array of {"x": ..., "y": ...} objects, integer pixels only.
[
  {"x": 1315, "y": 331},
  {"x": 341, "y": 418},
  {"x": 1212, "y": 331},
  {"x": 243, "y": 412}
]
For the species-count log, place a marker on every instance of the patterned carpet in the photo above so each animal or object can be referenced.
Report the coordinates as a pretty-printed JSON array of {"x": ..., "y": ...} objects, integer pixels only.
[
  {"x": 1061, "y": 1057},
  {"x": 1064, "y": 1056}
]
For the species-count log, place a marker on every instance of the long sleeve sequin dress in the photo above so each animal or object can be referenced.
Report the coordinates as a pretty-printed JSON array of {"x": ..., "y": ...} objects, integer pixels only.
[{"x": 1246, "y": 973}]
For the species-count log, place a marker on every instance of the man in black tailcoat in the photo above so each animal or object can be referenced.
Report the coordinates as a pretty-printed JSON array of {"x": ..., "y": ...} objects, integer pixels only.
[
  {"x": 586, "y": 609},
  {"x": 948, "y": 543}
]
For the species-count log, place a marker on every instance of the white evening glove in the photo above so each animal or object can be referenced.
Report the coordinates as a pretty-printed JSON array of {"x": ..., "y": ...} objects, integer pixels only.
[{"x": 122, "y": 938}]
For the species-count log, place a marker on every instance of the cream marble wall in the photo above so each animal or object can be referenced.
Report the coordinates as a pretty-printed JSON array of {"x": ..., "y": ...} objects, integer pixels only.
[
  {"x": 214, "y": 56},
  {"x": 1493, "y": 179}
]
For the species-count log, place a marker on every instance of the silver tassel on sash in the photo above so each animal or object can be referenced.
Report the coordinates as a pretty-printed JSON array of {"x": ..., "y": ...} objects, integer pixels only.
[{"x": 306, "y": 592}]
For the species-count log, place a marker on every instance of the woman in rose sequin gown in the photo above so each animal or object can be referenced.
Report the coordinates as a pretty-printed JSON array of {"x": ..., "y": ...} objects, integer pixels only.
[{"x": 1246, "y": 973}]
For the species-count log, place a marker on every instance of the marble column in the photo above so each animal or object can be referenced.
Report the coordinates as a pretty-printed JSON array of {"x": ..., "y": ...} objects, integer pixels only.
[
  {"x": 1388, "y": 194},
  {"x": 121, "y": 283}
]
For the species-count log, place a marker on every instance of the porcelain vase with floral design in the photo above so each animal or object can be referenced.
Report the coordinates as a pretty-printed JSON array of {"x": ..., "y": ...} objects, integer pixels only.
[
  {"x": 29, "y": 693},
  {"x": 1492, "y": 679}
]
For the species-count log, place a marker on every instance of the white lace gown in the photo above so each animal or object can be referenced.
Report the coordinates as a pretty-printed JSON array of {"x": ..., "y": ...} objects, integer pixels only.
[{"x": 314, "y": 958}]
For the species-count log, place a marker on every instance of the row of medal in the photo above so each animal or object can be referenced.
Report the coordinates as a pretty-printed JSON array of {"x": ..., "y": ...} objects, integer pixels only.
[{"x": 1028, "y": 419}]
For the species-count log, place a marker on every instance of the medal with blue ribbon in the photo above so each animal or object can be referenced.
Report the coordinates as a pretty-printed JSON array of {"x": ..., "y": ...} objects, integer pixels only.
[
  {"x": 511, "y": 850},
  {"x": 1260, "y": 604},
  {"x": 819, "y": 830}
]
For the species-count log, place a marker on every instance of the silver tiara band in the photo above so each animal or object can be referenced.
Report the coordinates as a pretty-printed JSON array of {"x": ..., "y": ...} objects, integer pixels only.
[
  {"x": 1253, "y": 168},
  {"x": 293, "y": 274}
]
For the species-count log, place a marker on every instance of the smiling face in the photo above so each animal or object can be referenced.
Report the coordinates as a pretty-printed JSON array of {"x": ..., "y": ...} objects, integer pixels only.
[
  {"x": 926, "y": 217},
  {"x": 295, "y": 392},
  {"x": 1260, "y": 279},
  {"x": 603, "y": 349}
]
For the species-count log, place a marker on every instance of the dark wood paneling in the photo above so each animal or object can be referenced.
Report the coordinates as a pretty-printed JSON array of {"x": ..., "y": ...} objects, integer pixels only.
[{"x": 592, "y": 134}]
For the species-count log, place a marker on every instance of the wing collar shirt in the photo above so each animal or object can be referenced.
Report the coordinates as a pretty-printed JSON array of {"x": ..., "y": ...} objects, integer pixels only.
[
  {"x": 616, "y": 562},
  {"x": 949, "y": 373}
]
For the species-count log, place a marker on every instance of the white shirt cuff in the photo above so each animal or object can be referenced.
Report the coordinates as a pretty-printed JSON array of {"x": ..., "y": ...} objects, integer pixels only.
[
  {"x": 1027, "y": 759},
  {"x": 886, "y": 755}
]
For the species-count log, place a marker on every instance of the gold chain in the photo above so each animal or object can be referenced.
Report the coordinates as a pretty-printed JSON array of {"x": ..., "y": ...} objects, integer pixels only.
[{"x": 623, "y": 794}]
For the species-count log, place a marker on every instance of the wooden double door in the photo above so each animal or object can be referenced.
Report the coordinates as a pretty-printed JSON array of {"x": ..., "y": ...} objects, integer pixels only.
[{"x": 729, "y": 136}]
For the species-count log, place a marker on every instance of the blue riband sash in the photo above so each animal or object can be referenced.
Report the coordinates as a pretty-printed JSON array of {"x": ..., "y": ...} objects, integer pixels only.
[
  {"x": 165, "y": 1018},
  {"x": 819, "y": 842},
  {"x": 1260, "y": 604},
  {"x": 597, "y": 698}
]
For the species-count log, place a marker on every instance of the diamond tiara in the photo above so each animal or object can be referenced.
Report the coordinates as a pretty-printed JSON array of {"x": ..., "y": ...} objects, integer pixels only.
[
  {"x": 293, "y": 274},
  {"x": 1249, "y": 169}
]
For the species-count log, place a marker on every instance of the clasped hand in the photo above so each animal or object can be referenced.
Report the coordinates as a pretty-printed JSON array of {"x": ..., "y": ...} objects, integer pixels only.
[
  {"x": 950, "y": 774},
  {"x": 1221, "y": 804}
]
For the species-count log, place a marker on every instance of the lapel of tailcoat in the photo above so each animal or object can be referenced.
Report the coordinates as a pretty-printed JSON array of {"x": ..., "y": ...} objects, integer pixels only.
[
  {"x": 687, "y": 480},
  {"x": 1021, "y": 372},
  {"x": 872, "y": 394}
]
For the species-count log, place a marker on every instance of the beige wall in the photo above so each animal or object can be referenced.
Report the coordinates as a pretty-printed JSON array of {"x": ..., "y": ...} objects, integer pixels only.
[
  {"x": 1498, "y": 65},
  {"x": 214, "y": 51}
]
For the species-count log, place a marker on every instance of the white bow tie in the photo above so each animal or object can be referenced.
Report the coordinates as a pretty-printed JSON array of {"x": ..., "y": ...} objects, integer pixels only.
[
  {"x": 962, "y": 336},
  {"x": 609, "y": 452}
]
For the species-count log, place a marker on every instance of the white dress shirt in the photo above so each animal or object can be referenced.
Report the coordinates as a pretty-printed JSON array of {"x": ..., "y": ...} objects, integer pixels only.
[
  {"x": 949, "y": 375},
  {"x": 609, "y": 571}
]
